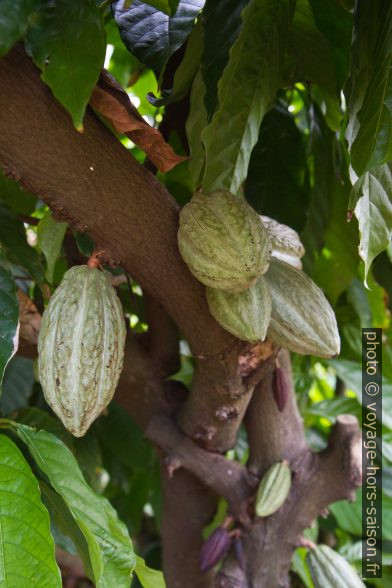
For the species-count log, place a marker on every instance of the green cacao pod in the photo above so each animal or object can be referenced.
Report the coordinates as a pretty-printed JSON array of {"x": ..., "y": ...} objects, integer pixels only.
[
  {"x": 330, "y": 570},
  {"x": 246, "y": 314},
  {"x": 81, "y": 347},
  {"x": 273, "y": 489},
  {"x": 223, "y": 241},
  {"x": 302, "y": 319},
  {"x": 285, "y": 242}
]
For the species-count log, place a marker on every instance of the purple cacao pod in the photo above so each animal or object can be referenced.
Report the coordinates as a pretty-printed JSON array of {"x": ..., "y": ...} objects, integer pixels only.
[
  {"x": 214, "y": 548},
  {"x": 280, "y": 388},
  {"x": 239, "y": 553}
]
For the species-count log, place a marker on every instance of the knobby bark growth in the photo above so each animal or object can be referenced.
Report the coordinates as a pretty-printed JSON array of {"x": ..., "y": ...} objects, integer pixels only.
[{"x": 92, "y": 182}]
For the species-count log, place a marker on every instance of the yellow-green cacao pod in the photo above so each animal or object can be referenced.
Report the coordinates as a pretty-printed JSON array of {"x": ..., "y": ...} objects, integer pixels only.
[
  {"x": 246, "y": 314},
  {"x": 81, "y": 347},
  {"x": 285, "y": 242},
  {"x": 273, "y": 489},
  {"x": 330, "y": 570},
  {"x": 223, "y": 241},
  {"x": 302, "y": 319}
]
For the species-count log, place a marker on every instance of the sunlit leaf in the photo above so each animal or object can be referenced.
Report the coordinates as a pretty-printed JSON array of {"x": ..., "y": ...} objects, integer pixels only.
[
  {"x": 27, "y": 548},
  {"x": 245, "y": 92},
  {"x": 148, "y": 577}
]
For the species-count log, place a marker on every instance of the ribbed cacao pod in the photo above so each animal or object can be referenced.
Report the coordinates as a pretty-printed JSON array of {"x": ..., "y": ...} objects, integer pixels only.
[
  {"x": 273, "y": 489},
  {"x": 246, "y": 314},
  {"x": 214, "y": 548},
  {"x": 81, "y": 347},
  {"x": 302, "y": 319},
  {"x": 223, "y": 241},
  {"x": 330, "y": 570},
  {"x": 280, "y": 388},
  {"x": 285, "y": 242}
]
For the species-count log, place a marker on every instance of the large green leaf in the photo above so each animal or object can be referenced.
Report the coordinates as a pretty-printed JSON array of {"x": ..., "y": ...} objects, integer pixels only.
[
  {"x": 26, "y": 545},
  {"x": 17, "y": 384},
  {"x": 371, "y": 199},
  {"x": 222, "y": 24},
  {"x": 245, "y": 92},
  {"x": 148, "y": 578},
  {"x": 9, "y": 316},
  {"x": 110, "y": 548},
  {"x": 196, "y": 122},
  {"x": 15, "y": 247},
  {"x": 277, "y": 183},
  {"x": 14, "y": 20},
  {"x": 15, "y": 198},
  {"x": 67, "y": 42},
  {"x": 151, "y": 35},
  {"x": 372, "y": 145},
  {"x": 50, "y": 235}
]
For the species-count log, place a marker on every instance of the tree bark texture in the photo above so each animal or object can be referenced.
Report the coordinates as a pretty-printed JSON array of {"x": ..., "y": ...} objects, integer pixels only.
[{"x": 91, "y": 181}]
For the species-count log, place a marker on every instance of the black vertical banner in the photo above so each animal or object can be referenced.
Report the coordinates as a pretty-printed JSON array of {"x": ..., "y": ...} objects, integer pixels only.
[{"x": 371, "y": 453}]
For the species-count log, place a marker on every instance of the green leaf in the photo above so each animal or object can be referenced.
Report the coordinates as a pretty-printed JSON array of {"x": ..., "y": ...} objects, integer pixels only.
[
  {"x": 245, "y": 92},
  {"x": 167, "y": 6},
  {"x": 372, "y": 198},
  {"x": 14, "y": 20},
  {"x": 67, "y": 42},
  {"x": 148, "y": 577},
  {"x": 9, "y": 316},
  {"x": 17, "y": 384},
  {"x": 50, "y": 235},
  {"x": 27, "y": 548},
  {"x": 110, "y": 548},
  {"x": 222, "y": 24},
  {"x": 138, "y": 26},
  {"x": 372, "y": 145},
  {"x": 14, "y": 197},
  {"x": 333, "y": 407},
  {"x": 196, "y": 122},
  {"x": 15, "y": 247}
]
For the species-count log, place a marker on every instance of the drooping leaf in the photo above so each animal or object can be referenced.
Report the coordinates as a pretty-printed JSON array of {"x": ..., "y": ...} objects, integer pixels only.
[
  {"x": 67, "y": 42},
  {"x": 372, "y": 144},
  {"x": 196, "y": 122},
  {"x": 27, "y": 548},
  {"x": 17, "y": 384},
  {"x": 112, "y": 102},
  {"x": 148, "y": 577},
  {"x": 222, "y": 24},
  {"x": 277, "y": 183},
  {"x": 50, "y": 235},
  {"x": 39, "y": 419},
  {"x": 15, "y": 247},
  {"x": 371, "y": 200},
  {"x": 15, "y": 198},
  {"x": 9, "y": 316},
  {"x": 110, "y": 548},
  {"x": 14, "y": 20},
  {"x": 151, "y": 35},
  {"x": 245, "y": 92}
]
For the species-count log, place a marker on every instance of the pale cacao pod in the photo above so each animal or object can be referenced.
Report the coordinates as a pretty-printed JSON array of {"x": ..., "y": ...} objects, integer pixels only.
[
  {"x": 273, "y": 489},
  {"x": 81, "y": 347},
  {"x": 214, "y": 548},
  {"x": 302, "y": 319},
  {"x": 223, "y": 241},
  {"x": 285, "y": 242},
  {"x": 330, "y": 570},
  {"x": 245, "y": 314}
]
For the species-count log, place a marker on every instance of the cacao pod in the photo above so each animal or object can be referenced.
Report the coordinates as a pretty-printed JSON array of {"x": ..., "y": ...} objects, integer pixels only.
[
  {"x": 280, "y": 388},
  {"x": 302, "y": 319},
  {"x": 81, "y": 347},
  {"x": 273, "y": 489},
  {"x": 246, "y": 314},
  {"x": 223, "y": 241},
  {"x": 330, "y": 570},
  {"x": 285, "y": 242},
  {"x": 214, "y": 548}
]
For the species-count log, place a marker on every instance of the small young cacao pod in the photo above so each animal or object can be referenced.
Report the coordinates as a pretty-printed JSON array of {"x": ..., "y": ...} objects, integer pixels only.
[
  {"x": 273, "y": 489},
  {"x": 328, "y": 569},
  {"x": 302, "y": 319},
  {"x": 280, "y": 388},
  {"x": 246, "y": 314},
  {"x": 81, "y": 347},
  {"x": 239, "y": 552},
  {"x": 223, "y": 241},
  {"x": 285, "y": 242},
  {"x": 214, "y": 548}
]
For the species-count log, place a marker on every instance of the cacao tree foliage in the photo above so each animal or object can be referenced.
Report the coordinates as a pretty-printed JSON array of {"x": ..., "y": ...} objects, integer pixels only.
[{"x": 286, "y": 103}]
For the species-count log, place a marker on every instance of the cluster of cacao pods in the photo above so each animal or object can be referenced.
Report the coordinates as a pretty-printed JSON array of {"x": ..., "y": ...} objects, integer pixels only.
[
  {"x": 251, "y": 266},
  {"x": 218, "y": 544},
  {"x": 81, "y": 347}
]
